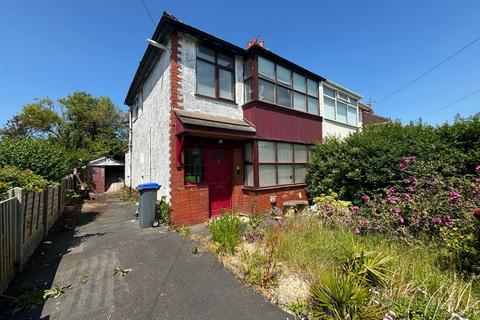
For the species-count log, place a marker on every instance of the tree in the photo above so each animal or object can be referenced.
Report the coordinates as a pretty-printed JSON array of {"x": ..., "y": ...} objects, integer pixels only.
[{"x": 85, "y": 126}]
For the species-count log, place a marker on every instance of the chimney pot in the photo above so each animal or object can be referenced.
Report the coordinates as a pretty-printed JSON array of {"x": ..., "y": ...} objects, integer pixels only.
[
  {"x": 262, "y": 43},
  {"x": 249, "y": 44}
]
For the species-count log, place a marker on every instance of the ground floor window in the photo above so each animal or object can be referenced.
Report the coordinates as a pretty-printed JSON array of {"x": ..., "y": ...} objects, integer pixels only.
[
  {"x": 194, "y": 165},
  {"x": 278, "y": 163}
]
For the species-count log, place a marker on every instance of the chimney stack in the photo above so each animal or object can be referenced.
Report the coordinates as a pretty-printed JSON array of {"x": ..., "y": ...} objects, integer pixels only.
[{"x": 255, "y": 41}]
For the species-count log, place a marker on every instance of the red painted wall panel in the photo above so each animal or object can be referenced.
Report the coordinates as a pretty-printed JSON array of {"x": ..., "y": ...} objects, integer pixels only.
[{"x": 279, "y": 123}]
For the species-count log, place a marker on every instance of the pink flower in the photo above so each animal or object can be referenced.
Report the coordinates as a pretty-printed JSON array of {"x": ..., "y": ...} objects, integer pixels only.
[
  {"x": 391, "y": 190},
  {"x": 356, "y": 209},
  {"x": 402, "y": 167},
  {"x": 401, "y": 220},
  {"x": 477, "y": 168},
  {"x": 406, "y": 196},
  {"x": 437, "y": 220},
  {"x": 414, "y": 180},
  {"x": 410, "y": 188},
  {"x": 365, "y": 223},
  {"x": 366, "y": 198},
  {"x": 448, "y": 222},
  {"x": 356, "y": 230},
  {"x": 396, "y": 210},
  {"x": 328, "y": 208},
  {"x": 477, "y": 180},
  {"x": 454, "y": 195},
  {"x": 392, "y": 199},
  {"x": 406, "y": 181}
]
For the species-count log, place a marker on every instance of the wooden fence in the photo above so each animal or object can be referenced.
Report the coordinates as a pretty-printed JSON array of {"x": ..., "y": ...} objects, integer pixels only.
[{"x": 25, "y": 219}]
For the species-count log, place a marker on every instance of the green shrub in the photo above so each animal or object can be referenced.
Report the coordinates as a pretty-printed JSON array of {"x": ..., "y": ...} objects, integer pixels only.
[
  {"x": 225, "y": 231},
  {"x": 11, "y": 177},
  {"x": 254, "y": 268},
  {"x": 338, "y": 296},
  {"x": 164, "y": 212},
  {"x": 368, "y": 160},
  {"x": 41, "y": 156}
]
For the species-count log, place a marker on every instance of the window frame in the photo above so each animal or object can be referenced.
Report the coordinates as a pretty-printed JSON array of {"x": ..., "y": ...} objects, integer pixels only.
[
  {"x": 255, "y": 162},
  {"x": 218, "y": 67},
  {"x": 338, "y": 99},
  {"x": 193, "y": 183},
  {"x": 256, "y": 76}
]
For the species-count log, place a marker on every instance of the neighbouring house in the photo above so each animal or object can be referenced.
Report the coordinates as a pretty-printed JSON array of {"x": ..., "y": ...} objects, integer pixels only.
[
  {"x": 105, "y": 174},
  {"x": 222, "y": 127}
]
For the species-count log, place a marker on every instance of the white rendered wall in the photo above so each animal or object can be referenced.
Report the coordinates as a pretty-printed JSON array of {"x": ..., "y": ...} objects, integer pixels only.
[
  {"x": 206, "y": 105},
  {"x": 336, "y": 129},
  {"x": 151, "y": 130}
]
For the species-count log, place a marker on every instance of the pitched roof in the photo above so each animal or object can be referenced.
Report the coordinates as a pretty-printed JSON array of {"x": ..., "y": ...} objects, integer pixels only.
[
  {"x": 104, "y": 162},
  {"x": 168, "y": 23}
]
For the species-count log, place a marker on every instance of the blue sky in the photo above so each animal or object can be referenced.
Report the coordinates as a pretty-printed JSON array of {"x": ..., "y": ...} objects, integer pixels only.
[{"x": 54, "y": 47}]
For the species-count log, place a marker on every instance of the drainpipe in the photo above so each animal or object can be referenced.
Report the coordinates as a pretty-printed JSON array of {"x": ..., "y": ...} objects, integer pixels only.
[{"x": 130, "y": 140}]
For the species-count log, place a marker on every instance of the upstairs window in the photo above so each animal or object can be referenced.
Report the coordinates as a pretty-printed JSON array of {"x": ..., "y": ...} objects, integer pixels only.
[
  {"x": 339, "y": 106},
  {"x": 282, "y": 86},
  {"x": 215, "y": 74}
]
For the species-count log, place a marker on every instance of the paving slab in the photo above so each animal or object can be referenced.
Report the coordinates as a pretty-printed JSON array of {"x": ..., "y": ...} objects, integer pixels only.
[{"x": 167, "y": 280}]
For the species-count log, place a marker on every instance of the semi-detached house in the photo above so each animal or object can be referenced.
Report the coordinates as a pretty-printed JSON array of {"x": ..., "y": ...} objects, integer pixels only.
[{"x": 222, "y": 127}]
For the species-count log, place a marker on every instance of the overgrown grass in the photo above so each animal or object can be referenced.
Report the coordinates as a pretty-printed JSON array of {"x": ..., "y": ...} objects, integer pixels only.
[{"x": 308, "y": 247}]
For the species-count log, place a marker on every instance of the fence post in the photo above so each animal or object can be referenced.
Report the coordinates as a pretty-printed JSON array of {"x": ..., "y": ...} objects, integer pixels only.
[
  {"x": 45, "y": 212},
  {"x": 19, "y": 193}
]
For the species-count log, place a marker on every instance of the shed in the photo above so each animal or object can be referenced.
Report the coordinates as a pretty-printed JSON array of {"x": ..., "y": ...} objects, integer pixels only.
[{"x": 105, "y": 174}]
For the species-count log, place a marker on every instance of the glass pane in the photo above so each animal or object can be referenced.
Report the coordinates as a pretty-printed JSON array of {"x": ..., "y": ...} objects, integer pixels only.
[
  {"x": 299, "y": 83},
  {"x": 353, "y": 102},
  {"x": 328, "y": 92},
  {"x": 329, "y": 104},
  {"x": 341, "y": 112},
  {"x": 300, "y": 172},
  {"x": 312, "y": 87},
  {"x": 247, "y": 152},
  {"x": 284, "y": 75},
  {"x": 225, "y": 61},
  {"x": 248, "y": 68},
  {"x": 266, "y": 151},
  {"x": 313, "y": 106},
  {"x": 266, "y": 91},
  {"x": 285, "y": 174},
  {"x": 300, "y": 153},
  {"x": 194, "y": 165},
  {"x": 352, "y": 116},
  {"x": 342, "y": 96},
  {"x": 226, "y": 84},
  {"x": 284, "y": 97},
  {"x": 267, "y": 175},
  {"x": 206, "y": 54},
  {"x": 299, "y": 101},
  {"x": 310, "y": 151},
  {"x": 248, "y": 90},
  {"x": 284, "y": 152},
  {"x": 205, "y": 78},
  {"x": 249, "y": 175},
  {"x": 266, "y": 68}
]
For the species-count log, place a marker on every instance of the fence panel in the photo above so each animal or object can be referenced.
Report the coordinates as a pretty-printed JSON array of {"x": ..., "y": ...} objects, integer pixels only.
[{"x": 8, "y": 241}]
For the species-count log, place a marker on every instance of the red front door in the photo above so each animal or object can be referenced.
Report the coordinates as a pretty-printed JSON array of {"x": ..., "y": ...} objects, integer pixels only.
[{"x": 219, "y": 179}]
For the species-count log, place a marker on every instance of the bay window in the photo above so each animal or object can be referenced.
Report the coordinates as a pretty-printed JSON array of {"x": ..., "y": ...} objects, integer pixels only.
[
  {"x": 281, "y": 86},
  {"x": 279, "y": 163},
  {"x": 339, "y": 106},
  {"x": 215, "y": 74}
]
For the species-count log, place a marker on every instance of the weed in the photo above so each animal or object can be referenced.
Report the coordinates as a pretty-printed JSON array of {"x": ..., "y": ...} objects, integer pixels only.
[
  {"x": 29, "y": 300},
  {"x": 121, "y": 272},
  {"x": 225, "y": 231},
  {"x": 85, "y": 276},
  {"x": 185, "y": 231},
  {"x": 55, "y": 292}
]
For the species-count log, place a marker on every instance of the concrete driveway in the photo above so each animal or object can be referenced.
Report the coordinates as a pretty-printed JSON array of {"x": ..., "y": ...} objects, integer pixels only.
[{"x": 167, "y": 281}]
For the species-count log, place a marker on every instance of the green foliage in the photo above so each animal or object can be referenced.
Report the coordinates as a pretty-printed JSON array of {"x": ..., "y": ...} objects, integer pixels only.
[
  {"x": 164, "y": 211},
  {"x": 121, "y": 272},
  {"x": 73, "y": 196},
  {"x": 225, "y": 231},
  {"x": 43, "y": 157},
  {"x": 254, "y": 267},
  {"x": 300, "y": 308},
  {"x": 55, "y": 291},
  {"x": 11, "y": 177},
  {"x": 253, "y": 231},
  {"x": 86, "y": 127},
  {"x": 461, "y": 247},
  {"x": 129, "y": 196},
  {"x": 185, "y": 231},
  {"x": 368, "y": 160},
  {"x": 29, "y": 300},
  {"x": 338, "y": 296},
  {"x": 368, "y": 267}
]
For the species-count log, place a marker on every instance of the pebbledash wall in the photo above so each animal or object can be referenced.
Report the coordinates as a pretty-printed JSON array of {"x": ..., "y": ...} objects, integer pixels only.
[{"x": 151, "y": 131}]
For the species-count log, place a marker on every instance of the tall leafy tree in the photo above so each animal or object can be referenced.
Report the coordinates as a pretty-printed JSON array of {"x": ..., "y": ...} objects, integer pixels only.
[{"x": 85, "y": 126}]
